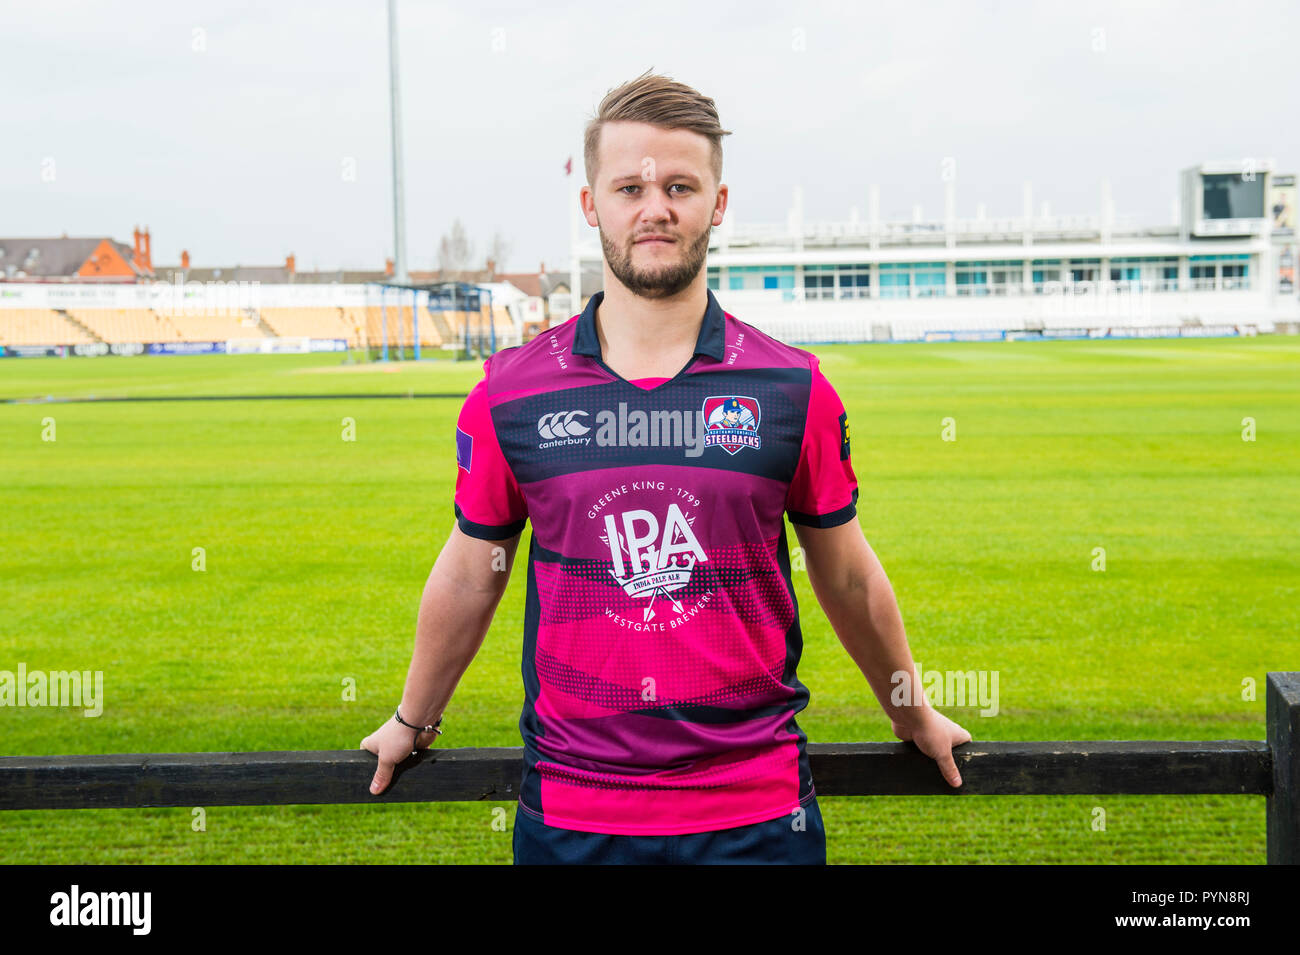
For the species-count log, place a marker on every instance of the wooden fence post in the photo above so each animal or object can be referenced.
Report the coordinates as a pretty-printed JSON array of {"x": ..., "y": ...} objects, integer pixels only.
[{"x": 1282, "y": 713}]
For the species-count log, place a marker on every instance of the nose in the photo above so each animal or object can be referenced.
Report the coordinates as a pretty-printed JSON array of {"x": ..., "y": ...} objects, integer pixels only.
[{"x": 656, "y": 207}]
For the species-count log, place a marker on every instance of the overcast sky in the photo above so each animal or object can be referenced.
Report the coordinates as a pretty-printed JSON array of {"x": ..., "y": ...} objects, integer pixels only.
[{"x": 230, "y": 128}]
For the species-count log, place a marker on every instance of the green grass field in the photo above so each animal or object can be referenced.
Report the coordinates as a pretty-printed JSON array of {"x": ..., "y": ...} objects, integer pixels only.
[{"x": 317, "y": 550}]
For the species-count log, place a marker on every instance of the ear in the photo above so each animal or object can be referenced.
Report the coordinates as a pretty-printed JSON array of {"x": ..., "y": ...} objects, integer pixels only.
[
  {"x": 587, "y": 199},
  {"x": 721, "y": 205}
]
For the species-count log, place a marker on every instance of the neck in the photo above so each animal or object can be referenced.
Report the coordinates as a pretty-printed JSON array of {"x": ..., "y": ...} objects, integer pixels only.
[{"x": 649, "y": 338}]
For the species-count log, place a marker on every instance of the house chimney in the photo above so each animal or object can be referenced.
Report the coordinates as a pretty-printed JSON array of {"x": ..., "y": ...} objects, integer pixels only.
[
  {"x": 185, "y": 259},
  {"x": 388, "y": 266},
  {"x": 148, "y": 252},
  {"x": 137, "y": 256},
  {"x": 541, "y": 269},
  {"x": 289, "y": 264},
  {"x": 492, "y": 269}
]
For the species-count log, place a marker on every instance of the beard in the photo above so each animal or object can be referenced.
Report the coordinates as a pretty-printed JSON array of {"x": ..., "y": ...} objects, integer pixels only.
[{"x": 657, "y": 281}]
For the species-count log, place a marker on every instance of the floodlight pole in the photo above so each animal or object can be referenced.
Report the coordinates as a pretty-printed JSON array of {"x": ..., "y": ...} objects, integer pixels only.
[
  {"x": 415, "y": 320},
  {"x": 399, "y": 217}
]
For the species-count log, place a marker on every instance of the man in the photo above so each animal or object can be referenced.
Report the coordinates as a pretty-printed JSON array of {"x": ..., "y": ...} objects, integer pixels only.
[
  {"x": 734, "y": 415},
  {"x": 661, "y": 630}
]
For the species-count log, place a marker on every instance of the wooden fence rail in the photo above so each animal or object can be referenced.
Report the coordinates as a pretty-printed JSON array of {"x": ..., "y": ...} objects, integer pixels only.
[{"x": 1270, "y": 769}]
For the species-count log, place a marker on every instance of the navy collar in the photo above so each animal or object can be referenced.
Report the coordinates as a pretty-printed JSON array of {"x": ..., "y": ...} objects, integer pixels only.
[{"x": 710, "y": 342}]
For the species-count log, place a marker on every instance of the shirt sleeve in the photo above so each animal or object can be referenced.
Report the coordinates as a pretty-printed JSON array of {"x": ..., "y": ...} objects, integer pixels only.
[
  {"x": 824, "y": 491},
  {"x": 488, "y": 502}
]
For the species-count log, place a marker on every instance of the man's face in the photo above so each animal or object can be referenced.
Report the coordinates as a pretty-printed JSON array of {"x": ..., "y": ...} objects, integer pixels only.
[{"x": 654, "y": 182}]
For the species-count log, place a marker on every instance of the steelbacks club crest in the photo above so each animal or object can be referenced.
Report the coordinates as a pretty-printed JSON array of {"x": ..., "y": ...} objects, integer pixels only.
[{"x": 731, "y": 422}]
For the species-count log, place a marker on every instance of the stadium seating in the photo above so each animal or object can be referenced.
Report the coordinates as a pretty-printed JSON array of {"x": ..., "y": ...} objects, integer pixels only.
[
  {"x": 126, "y": 325},
  {"x": 370, "y": 319},
  {"x": 213, "y": 328},
  {"x": 359, "y": 326},
  {"x": 146, "y": 326},
  {"x": 324, "y": 322},
  {"x": 39, "y": 326},
  {"x": 503, "y": 323}
]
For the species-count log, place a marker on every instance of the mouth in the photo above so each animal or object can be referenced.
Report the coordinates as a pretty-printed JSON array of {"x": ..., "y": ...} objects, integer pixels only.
[{"x": 655, "y": 241}]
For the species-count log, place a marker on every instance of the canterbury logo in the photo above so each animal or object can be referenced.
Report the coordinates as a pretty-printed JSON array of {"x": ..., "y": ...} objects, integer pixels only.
[{"x": 560, "y": 424}]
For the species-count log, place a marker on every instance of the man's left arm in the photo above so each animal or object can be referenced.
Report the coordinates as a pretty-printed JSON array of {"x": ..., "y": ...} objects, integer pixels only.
[{"x": 859, "y": 602}]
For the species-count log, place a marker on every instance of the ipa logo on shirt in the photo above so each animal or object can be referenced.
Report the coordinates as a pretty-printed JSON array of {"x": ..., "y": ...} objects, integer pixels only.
[
  {"x": 649, "y": 563},
  {"x": 731, "y": 422}
]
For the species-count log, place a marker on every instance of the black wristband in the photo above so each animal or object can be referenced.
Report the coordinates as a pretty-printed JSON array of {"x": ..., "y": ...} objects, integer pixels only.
[{"x": 434, "y": 727}]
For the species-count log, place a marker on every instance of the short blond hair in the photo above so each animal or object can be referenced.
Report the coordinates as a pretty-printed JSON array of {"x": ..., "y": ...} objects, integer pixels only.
[{"x": 659, "y": 101}]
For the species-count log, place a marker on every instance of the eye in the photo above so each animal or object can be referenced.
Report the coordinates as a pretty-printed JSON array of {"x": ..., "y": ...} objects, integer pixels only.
[{"x": 677, "y": 185}]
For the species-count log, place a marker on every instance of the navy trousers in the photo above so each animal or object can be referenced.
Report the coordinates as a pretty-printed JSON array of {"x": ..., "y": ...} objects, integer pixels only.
[{"x": 775, "y": 842}]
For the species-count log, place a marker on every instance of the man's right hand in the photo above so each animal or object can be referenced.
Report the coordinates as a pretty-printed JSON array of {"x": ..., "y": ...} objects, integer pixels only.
[
  {"x": 392, "y": 744},
  {"x": 935, "y": 735}
]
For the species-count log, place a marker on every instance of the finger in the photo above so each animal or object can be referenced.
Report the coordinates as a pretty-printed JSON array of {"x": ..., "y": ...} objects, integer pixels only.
[
  {"x": 948, "y": 766},
  {"x": 383, "y": 776}
]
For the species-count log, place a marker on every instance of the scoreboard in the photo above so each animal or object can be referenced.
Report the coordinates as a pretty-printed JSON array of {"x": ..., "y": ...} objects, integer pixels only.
[{"x": 1227, "y": 198}]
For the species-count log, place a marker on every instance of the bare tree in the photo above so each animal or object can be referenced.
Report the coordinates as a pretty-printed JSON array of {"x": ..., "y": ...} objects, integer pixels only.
[
  {"x": 498, "y": 250},
  {"x": 455, "y": 252}
]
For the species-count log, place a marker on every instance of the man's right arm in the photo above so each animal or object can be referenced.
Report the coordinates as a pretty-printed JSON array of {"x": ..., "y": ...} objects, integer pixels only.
[
  {"x": 465, "y": 585},
  {"x": 460, "y": 597}
]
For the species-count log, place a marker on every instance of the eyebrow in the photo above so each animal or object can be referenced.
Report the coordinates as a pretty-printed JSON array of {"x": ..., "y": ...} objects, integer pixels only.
[{"x": 636, "y": 177}]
